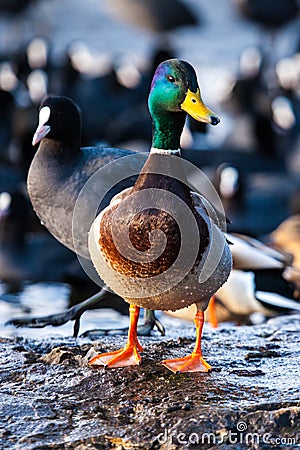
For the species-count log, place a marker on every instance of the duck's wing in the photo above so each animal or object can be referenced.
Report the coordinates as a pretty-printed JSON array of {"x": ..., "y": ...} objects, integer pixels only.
[
  {"x": 216, "y": 216},
  {"x": 250, "y": 254}
]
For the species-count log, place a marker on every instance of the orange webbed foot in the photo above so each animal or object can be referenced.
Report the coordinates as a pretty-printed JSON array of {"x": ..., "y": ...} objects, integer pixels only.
[
  {"x": 127, "y": 356},
  {"x": 194, "y": 362},
  {"x": 191, "y": 363}
]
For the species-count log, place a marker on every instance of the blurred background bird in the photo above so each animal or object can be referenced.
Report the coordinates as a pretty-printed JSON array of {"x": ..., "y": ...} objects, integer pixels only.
[{"x": 258, "y": 287}]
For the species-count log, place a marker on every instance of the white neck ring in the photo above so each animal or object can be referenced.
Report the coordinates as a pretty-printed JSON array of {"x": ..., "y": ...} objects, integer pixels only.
[{"x": 162, "y": 151}]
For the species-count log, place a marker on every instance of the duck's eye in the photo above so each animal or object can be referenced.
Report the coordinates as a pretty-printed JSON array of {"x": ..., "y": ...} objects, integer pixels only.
[{"x": 171, "y": 78}]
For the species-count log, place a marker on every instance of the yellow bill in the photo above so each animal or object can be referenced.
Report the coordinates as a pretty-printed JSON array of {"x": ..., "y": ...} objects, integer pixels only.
[{"x": 195, "y": 107}]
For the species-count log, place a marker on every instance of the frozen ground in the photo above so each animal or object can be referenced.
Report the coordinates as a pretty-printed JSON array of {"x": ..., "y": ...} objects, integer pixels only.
[{"x": 51, "y": 398}]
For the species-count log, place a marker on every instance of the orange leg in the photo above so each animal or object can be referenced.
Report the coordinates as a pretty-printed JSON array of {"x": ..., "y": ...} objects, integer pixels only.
[
  {"x": 212, "y": 313},
  {"x": 195, "y": 361},
  {"x": 127, "y": 356}
]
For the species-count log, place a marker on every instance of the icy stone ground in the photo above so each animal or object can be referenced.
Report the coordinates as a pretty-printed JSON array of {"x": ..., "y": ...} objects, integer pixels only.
[{"x": 51, "y": 398}]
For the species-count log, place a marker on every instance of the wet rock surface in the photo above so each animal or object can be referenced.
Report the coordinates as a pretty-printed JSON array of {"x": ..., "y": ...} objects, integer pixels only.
[{"x": 51, "y": 398}]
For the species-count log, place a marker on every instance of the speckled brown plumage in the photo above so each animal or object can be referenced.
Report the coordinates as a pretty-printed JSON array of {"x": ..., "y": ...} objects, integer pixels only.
[
  {"x": 139, "y": 230},
  {"x": 143, "y": 223}
]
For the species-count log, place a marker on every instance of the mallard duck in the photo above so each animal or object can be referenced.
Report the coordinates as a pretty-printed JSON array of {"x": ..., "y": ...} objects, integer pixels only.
[
  {"x": 137, "y": 243},
  {"x": 256, "y": 284}
]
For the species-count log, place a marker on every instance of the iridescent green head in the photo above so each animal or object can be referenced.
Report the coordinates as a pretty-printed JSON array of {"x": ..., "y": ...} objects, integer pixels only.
[{"x": 175, "y": 89}]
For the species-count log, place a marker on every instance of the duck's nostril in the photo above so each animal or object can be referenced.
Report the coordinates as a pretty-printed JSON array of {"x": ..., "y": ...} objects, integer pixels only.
[{"x": 214, "y": 120}]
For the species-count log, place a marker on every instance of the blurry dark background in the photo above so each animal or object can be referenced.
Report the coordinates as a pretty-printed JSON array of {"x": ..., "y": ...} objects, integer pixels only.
[{"x": 102, "y": 53}]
